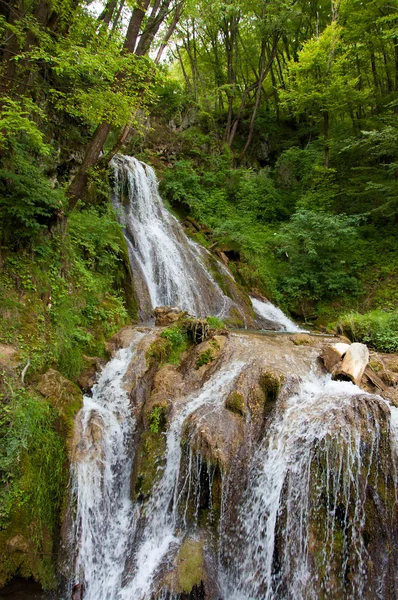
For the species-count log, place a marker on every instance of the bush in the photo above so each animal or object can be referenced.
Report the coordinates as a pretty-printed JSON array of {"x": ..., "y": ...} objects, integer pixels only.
[
  {"x": 378, "y": 329},
  {"x": 319, "y": 248}
]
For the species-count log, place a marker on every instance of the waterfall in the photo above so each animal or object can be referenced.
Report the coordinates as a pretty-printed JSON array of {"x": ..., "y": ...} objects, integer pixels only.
[
  {"x": 163, "y": 514},
  {"x": 303, "y": 524},
  {"x": 168, "y": 268},
  {"x": 100, "y": 472},
  {"x": 269, "y": 311}
]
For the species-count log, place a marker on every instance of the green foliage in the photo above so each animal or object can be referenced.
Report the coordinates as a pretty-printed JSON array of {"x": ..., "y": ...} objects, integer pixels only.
[
  {"x": 204, "y": 358},
  {"x": 178, "y": 341},
  {"x": 157, "y": 419},
  {"x": 28, "y": 201},
  {"x": 320, "y": 259},
  {"x": 32, "y": 459},
  {"x": 63, "y": 301},
  {"x": 376, "y": 328},
  {"x": 215, "y": 323}
]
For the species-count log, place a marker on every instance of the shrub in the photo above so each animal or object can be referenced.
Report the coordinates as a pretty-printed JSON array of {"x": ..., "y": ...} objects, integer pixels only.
[{"x": 378, "y": 329}]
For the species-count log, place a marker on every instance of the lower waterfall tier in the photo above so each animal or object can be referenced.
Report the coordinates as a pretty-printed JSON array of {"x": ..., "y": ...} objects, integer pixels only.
[{"x": 237, "y": 471}]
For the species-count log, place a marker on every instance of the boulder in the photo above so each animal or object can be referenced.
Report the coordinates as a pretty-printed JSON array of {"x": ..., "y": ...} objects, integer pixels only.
[{"x": 64, "y": 395}]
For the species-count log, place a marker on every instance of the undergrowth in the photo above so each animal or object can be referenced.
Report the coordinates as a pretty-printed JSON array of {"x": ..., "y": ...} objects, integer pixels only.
[
  {"x": 376, "y": 328},
  {"x": 62, "y": 299}
]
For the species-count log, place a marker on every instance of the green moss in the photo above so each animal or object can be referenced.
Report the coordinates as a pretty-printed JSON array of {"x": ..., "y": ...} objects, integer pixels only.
[
  {"x": 169, "y": 347},
  {"x": 271, "y": 382},
  {"x": 236, "y": 403},
  {"x": 33, "y": 479},
  {"x": 204, "y": 358},
  {"x": 190, "y": 565},
  {"x": 150, "y": 456}
]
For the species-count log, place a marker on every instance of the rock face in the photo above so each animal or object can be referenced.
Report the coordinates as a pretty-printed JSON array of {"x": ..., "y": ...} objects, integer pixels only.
[
  {"x": 8, "y": 355},
  {"x": 256, "y": 474}
]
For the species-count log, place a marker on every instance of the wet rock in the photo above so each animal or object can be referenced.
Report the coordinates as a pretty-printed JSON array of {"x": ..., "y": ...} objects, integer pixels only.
[
  {"x": 215, "y": 437},
  {"x": 236, "y": 403},
  {"x": 89, "y": 376},
  {"x": 87, "y": 444},
  {"x": 121, "y": 339},
  {"x": 166, "y": 315}
]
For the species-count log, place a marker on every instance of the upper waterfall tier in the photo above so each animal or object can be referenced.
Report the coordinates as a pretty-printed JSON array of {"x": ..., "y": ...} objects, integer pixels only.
[{"x": 168, "y": 268}]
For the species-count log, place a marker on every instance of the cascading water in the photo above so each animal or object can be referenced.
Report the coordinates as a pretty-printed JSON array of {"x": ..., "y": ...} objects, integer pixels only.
[
  {"x": 100, "y": 472},
  {"x": 167, "y": 267},
  {"x": 272, "y": 313},
  {"x": 164, "y": 513},
  {"x": 303, "y": 531}
]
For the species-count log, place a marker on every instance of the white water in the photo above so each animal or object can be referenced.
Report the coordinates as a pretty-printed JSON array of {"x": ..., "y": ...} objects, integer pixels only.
[
  {"x": 279, "y": 489},
  {"x": 101, "y": 482},
  {"x": 162, "y": 512},
  {"x": 162, "y": 256},
  {"x": 275, "y": 314}
]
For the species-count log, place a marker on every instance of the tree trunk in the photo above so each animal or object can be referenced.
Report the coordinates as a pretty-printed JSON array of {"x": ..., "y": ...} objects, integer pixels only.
[
  {"x": 135, "y": 25},
  {"x": 170, "y": 31},
  {"x": 91, "y": 156},
  {"x": 354, "y": 364}
]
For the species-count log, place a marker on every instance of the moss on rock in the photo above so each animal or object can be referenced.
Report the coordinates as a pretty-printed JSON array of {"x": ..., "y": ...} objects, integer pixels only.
[
  {"x": 190, "y": 566},
  {"x": 235, "y": 402}
]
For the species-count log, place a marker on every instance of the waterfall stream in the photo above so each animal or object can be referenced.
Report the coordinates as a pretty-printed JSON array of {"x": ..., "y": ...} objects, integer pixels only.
[
  {"x": 291, "y": 470},
  {"x": 293, "y": 508},
  {"x": 168, "y": 268}
]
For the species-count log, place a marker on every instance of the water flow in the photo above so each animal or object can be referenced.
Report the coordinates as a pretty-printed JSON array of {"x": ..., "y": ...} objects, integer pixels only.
[
  {"x": 272, "y": 313},
  {"x": 164, "y": 512},
  {"x": 167, "y": 267},
  {"x": 101, "y": 481},
  {"x": 284, "y": 521}
]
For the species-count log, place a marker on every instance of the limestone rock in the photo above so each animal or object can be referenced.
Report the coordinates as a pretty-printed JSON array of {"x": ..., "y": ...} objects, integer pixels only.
[
  {"x": 235, "y": 402},
  {"x": 166, "y": 315},
  {"x": 121, "y": 339},
  {"x": 58, "y": 389}
]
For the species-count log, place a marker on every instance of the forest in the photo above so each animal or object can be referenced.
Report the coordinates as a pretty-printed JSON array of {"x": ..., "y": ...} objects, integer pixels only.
[{"x": 272, "y": 126}]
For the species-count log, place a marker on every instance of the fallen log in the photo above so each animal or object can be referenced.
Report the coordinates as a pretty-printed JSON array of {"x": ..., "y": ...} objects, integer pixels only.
[
  {"x": 333, "y": 354},
  {"x": 354, "y": 364}
]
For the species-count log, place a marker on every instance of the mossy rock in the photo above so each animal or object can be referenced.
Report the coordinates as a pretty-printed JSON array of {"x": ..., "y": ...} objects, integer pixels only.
[
  {"x": 26, "y": 549},
  {"x": 190, "y": 566},
  {"x": 271, "y": 383},
  {"x": 236, "y": 403},
  {"x": 150, "y": 456},
  {"x": 65, "y": 396},
  {"x": 302, "y": 339}
]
